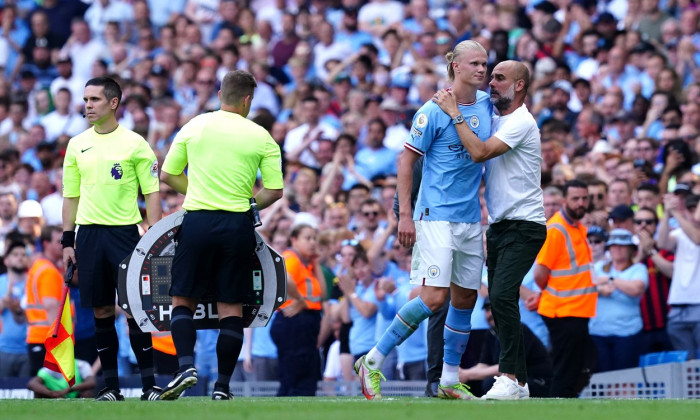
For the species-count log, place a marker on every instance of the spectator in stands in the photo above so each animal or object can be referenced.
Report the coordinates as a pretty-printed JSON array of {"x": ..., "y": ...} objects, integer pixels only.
[
  {"x": 659, "y": 263},
  {"x": 358, "y": 294},
  {"x": 597, "y": 238},
  {"x": 552, "y": 198},
  {"x": 621, "y": 282},
  {"x": 376, "y": 159},
  {"x": 619, "y": 193},
  {"x": 41, "y": 35},
  {"x": 301, "y": 143},
  {"x": 83, "y": 49},
  {"x": 64, "y": 120},
  {"x": 598, "y": 194},
  {"x": 622, "y": 217},
  {"x": 14, "y": 360},
  {"x": 683, "y": 325}
]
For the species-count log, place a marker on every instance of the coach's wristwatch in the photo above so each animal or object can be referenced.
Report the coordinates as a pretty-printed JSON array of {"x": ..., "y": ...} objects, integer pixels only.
[{"x": 458, "y": 119}]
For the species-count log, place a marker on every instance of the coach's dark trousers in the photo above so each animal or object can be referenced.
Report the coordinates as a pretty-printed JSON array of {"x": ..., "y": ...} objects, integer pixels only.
[
  {"x": 512, "y": 246},
  {"x": 298, "y": 356},
  {"x": 436, "y": 342}
]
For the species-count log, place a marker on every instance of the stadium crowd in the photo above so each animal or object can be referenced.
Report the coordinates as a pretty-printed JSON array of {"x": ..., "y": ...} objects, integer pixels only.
[{"x": 613, "y": 89}]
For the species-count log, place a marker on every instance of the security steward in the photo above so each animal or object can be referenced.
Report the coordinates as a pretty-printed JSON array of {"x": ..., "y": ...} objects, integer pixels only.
[
  {"x": 569, "y": 297},
  {"x": 103, "y": 169},
  {"x": 223, "y": 152}
]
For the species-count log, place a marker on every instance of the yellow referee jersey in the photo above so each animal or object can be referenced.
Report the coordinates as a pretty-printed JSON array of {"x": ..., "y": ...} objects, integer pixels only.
[
  {"x": 223, "y": 152},
  {"x": 105, "y": 171}
]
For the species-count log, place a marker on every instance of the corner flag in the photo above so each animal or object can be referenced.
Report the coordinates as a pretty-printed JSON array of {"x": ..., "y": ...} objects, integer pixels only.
[{"x": 60, "y": 342}]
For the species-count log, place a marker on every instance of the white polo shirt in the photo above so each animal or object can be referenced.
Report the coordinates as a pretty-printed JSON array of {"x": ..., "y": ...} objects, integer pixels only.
[{"x": 513, "y": 190}]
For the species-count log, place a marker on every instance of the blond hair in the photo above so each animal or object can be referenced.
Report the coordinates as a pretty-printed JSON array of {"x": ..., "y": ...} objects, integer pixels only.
[{"x": 469, "y": 45}]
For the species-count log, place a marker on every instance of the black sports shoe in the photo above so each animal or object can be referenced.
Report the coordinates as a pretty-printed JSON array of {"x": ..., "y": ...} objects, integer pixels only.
[
  {"x": 107, "y": 394},
  {"x": 221, "y": 395},
  {"x": 431, "y": 389},
  {"x": 152, "y": 394},
  {"x": 182, "y": 381}
]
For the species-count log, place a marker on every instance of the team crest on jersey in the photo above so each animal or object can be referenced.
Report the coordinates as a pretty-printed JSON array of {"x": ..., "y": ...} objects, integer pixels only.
[
  {"x": 474, "y": 121},
  {"x": 421, "y": 120},
  {"x": 117, "y": 171},
  {"x": 154, "y": 169},
  {"x": 433, "y": 271}
]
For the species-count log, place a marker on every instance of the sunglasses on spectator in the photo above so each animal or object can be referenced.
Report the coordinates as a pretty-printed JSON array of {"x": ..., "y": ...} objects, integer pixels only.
[
  {"x": 599, "y": 196},
  {"x": 644, "y": 221},
  {"x": 371, "y": 213},
  {"x": 349, "y": 242},
  {"x": 596, "y": 241}
]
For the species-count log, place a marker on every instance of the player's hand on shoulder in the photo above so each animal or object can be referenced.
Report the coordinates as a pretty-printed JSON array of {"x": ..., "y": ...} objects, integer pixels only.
[{"x": 447, "y": 101}]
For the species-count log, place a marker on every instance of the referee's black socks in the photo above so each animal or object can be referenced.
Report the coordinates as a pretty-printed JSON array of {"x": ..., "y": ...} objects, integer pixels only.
[
  {"x": 184, "y": 336},
  {"x": 108, "y": 350},
  {"x": 142, "y": 345},
  {"x": 228, "y": 348}
]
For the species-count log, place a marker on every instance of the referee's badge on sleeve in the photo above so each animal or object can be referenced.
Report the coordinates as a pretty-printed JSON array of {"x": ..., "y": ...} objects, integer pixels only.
[{"x": 154, "y": 169}]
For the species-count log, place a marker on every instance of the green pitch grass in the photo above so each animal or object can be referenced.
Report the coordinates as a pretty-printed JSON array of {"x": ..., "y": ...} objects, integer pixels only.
[{"x": 350, "y": 408}]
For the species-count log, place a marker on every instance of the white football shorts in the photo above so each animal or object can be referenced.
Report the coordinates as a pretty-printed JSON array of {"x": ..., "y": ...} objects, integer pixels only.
[{"x": 447, "y": 252}]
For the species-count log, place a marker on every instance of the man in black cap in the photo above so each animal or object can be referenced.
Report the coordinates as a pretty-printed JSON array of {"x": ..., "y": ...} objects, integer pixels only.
[{"x": 622, "y": 217}]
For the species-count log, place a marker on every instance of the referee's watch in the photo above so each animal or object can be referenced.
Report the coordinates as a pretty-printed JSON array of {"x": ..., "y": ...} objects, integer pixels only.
[{"x": 458, "y": 119}]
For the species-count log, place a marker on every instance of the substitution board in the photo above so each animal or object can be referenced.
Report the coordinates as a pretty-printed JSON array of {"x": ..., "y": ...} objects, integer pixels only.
[{"x": 144, "y": 282}]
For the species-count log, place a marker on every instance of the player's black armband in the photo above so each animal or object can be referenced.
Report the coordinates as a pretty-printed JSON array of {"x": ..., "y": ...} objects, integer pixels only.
[{"x": 68, "y": 239}]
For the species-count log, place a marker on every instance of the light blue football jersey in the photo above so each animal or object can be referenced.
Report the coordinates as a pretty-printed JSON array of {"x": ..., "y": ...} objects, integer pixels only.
[{"x": 450, "y": 187}]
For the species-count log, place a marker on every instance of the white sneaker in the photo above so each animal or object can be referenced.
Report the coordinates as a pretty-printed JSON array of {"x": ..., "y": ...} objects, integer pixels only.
[
  {"x": 503, "y": 389},
  {"x": 523, "y": 392}
]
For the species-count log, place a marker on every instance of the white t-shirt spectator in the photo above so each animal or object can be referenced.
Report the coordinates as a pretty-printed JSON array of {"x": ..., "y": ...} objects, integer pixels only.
[
  {"x": 98, "y": 16},
  {"x": 56, "y": 125},
  {"x": 295, "y": 138}
]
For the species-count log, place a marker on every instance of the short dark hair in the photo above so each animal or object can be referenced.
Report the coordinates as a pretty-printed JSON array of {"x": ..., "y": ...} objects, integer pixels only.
[
  {"x": 14, "y": 244},
  {"x": 378, "y": 121},
  {"x": 595, "y": 182},
  {"x": 653, "y": 212},
  {"x": 47, "y": 232},
  {"x": 296, "y": 230},
  {"x": 310, "y": 98},
  {"x": 574, "y": 183},
  {"x": 359, "y": 186},
  {"x": 648, "y": 186},
  {"x": 110, "y": 86},
  {"x": 236, "y": 86}
]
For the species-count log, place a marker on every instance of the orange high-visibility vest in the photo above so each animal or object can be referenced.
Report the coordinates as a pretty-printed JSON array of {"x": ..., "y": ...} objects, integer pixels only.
[
  {"x": 570, "y": 291},
  {"x": 305, "y": 280},
  {"x": 43, "y": 281},
  {"x": 163, "y": 342}
]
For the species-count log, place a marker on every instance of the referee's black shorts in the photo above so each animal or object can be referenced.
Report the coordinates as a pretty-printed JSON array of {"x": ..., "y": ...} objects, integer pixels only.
[
  {"x": 99, "y": 250},
  {"x": 215, "y": 251}
]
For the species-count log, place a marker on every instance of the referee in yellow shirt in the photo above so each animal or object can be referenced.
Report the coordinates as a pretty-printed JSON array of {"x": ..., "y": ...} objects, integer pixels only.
[
  {"x": 223, "y": 152},
  {"x": 103, "y": 169}
]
